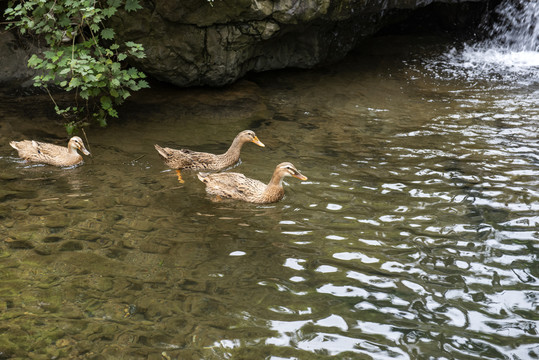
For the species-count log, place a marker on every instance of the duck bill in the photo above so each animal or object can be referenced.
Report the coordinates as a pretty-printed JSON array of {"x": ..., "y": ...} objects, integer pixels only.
[
  {"x": 258, "y": 142},
  {"x": 84, "y": 151},
  {"x": 300, "y": 176}
]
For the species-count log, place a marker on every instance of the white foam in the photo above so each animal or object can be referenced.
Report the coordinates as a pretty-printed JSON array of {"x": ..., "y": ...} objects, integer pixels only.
[
  {"x": 509, "y": 60},
  {"x": 510, "y": 55}
]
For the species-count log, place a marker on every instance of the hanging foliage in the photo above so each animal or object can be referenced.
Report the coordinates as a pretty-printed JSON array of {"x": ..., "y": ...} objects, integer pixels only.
[{"x": 82, "y": 55}]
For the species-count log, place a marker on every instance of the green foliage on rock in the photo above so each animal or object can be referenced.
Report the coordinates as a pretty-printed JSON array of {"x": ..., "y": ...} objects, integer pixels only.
[{"x": 82, "y": 56}]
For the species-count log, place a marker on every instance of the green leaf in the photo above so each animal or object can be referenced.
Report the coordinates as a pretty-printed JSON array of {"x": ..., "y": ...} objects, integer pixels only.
[
  {"x": 74, "y": 82},
  {"x": 132, "y": 5},
  {"x": 49, "y": 54},
  {"x": 139, "y": 55},
  {"x": 114, "y": 3},
  {"x": 70, "y": 128},
  {"x": 34, "y": 61},
  {"x": 115, "y": 67},
  {"x": 113, "y": 112},
  {"x": 87, "y": 65},
  {"x": 108, "y": 12},
  {"x": 143, "y": 84},
  {"x": 132, "y": 72},
  {"x": 106, "y": 103},
  {"x": 94, "y": 28},
  {"x": 64, "y": 21},
  {"x": 107, "y": 34}
]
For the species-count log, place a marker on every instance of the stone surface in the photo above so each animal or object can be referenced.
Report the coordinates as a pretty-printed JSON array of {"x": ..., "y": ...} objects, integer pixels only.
[
  {"x": 197, "y": 42},
  {"x": 14, "y": 55}
]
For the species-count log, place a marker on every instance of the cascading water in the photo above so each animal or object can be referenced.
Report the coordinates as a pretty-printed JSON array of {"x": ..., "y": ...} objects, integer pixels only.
[
  {"x": 509, "y": 54},
  {"x": 517, "y": 27}
]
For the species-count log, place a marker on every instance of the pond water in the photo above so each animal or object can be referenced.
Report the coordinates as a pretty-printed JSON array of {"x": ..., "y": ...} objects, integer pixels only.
[{"x": 415, "y": 237}]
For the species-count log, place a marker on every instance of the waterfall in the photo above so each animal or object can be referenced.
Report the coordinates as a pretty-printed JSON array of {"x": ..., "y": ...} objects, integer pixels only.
[
  {"x": 510, "y": 52},
  {"x": 516, "y": 27}
]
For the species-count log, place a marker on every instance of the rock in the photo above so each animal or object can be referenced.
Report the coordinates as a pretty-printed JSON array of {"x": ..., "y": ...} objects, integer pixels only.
[
  {"x": 103, "y": 284},
  {"x": 52, "y": 239},
  {"x": 133, "y": 200},
  {"x": 192, "y": 42},
  {"x": 137, "y": 224},
  {"x": 19, "y": 244},
  {"x": 6, "y": 194},
  {"x": 14, "y": 55},
  {"x": 57, "y": 221},
  {"x": 71, "y": 245},
  {"x": 44, "y": 250},
  {"x": 198, "y": 42}
]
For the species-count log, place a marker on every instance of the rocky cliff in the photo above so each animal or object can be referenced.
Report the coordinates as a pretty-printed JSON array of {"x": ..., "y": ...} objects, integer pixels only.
[{"x": 197, "y": 42}]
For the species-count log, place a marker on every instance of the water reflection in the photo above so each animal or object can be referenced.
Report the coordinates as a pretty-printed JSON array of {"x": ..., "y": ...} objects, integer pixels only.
[{"x": 415, "y": 236}]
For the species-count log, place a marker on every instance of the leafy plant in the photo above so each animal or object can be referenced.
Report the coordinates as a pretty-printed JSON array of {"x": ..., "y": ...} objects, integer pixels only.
[{"x": 82, "y": 56}]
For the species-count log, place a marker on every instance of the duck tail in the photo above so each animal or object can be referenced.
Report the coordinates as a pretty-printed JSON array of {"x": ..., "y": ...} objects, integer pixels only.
[
  {"x": 203, "y": 177},
  {"x": 161, "y": 151}
]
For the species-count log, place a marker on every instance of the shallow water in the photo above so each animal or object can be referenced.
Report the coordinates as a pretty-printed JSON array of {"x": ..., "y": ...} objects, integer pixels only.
[{"x": 415, "y": 237}]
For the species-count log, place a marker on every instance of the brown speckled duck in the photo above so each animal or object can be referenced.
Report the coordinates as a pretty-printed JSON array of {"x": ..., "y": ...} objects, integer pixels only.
[
  {"x": 44, "y": 153},
  {"x": 229, "y": 185},
  {"x": 193, "y": 160}
]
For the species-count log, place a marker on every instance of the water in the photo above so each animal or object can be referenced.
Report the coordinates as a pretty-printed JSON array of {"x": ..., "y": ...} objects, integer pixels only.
[
  {"x": 516, "y": 26},
  {"x": 510, "y": 52},
  {"x": 415, "y": 237}
]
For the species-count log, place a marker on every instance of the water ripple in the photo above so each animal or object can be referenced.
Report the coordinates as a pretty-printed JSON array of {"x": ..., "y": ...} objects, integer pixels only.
[{"x": 415, "y": 237}]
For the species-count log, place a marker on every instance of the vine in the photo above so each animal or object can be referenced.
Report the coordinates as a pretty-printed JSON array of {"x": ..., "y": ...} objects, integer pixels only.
[{"x": 82, "y": 55}]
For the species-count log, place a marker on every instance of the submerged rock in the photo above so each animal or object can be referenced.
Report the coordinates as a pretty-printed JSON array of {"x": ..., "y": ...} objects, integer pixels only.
[
  {"x": 71, "y": 245},
  {"x": 19, "y": 244}
]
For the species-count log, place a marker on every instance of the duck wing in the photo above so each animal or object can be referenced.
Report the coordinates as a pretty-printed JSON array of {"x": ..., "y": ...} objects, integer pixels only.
[
  {"x": 186, "y": 159},
  {"x": 232, "y": 185}
]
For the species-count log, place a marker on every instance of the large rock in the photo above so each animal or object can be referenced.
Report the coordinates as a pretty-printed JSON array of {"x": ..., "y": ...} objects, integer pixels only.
[
  {"x": 195, "y": 42},
  {"x": 14, "y": 55}
]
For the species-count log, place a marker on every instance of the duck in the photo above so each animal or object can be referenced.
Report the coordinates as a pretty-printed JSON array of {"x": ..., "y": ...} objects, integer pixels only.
[
  {"x": 194, "y": 160},
  {"x": 230, "y": 185},
  {"x": 45, "y": 153}
]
